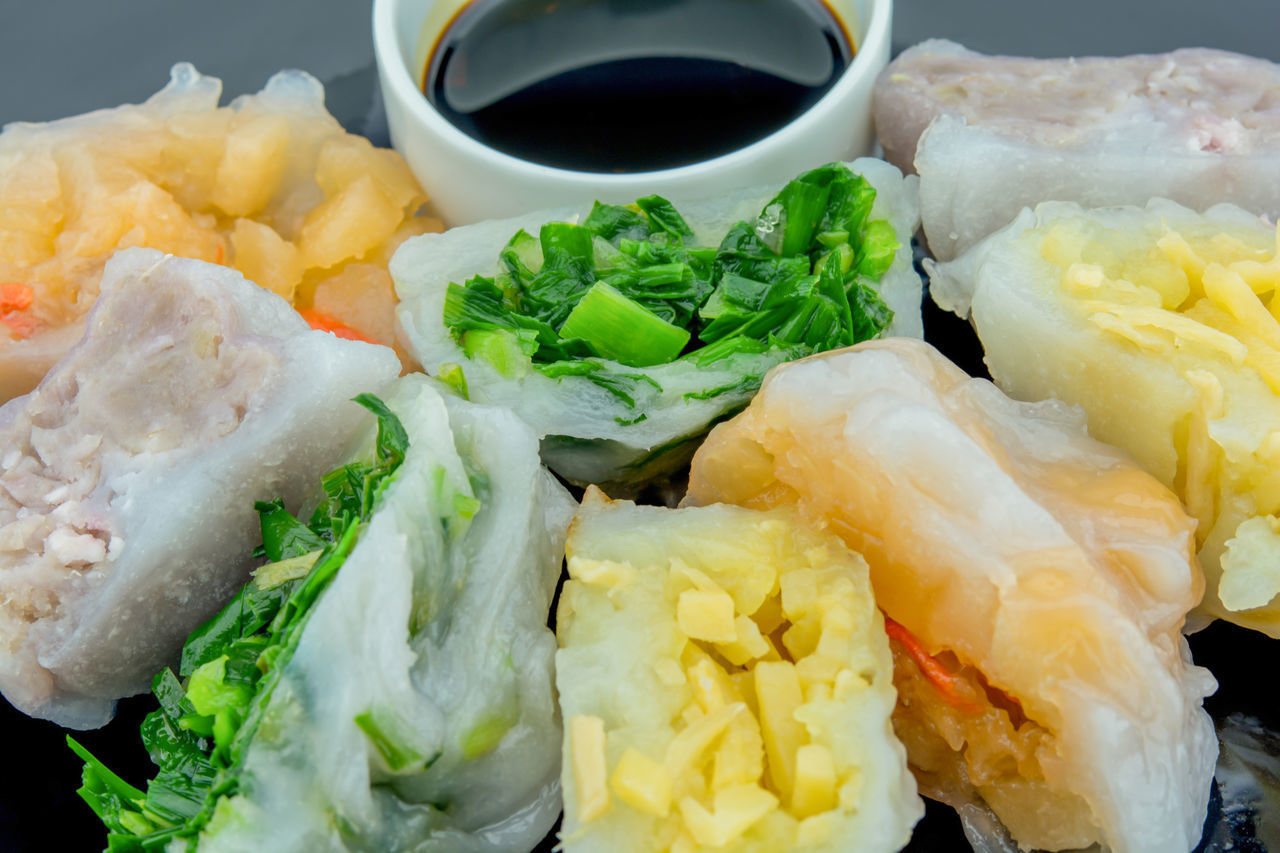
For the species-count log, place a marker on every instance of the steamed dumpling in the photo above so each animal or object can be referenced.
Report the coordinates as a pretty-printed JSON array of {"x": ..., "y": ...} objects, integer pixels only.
[
  {"x": 270, "y": 184},
  {"x": 1160, "y": 323},
  {"x": 991, "y": 134},
  {"x": 726, "y": 685},
  {"x": 497, "y": 314},
  {"x": 1039, "y": 581},
  {"x": 127, "y": 478},
  {"x": 384, "y": 683}
]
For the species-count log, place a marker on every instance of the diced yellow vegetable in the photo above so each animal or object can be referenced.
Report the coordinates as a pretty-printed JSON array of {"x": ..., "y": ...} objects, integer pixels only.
[
  {"x": 740, "y": 757},
  {"x": 253, "y": 165},
  {"x": 706, "y": 616},
  {"x": 265, "y": 258},
  {"x": 688, "y": 747},
  {"x": 700, "y": 684},
  {"x": 1230, "y": 291},
  {"x": 710, "y": 684},
  {"x": 642, "y": 783},
  {"x": 348, "y": 225},
  {"x": 815, "y": 790},
  {"x": 736, "y": 809},
  {"x": 799, "y": 593},
  {"x": 778, "y": 695},
  {"x": 586, "y": 740},
  {"x": 669, "y": 672},
  {"x": 604, "y": 573},
  {"x": 748, "y": 645},
  {"x": 801, "y": 639}
]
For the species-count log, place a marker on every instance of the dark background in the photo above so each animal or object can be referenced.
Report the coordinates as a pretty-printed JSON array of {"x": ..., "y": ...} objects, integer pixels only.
[{"x": 61, "y": 57}]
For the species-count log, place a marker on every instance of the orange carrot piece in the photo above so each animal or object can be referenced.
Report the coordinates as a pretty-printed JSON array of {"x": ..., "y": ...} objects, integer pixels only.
[
  {"x": 943, "y": 681},
  {"x": 15, "y": 296},
  {"x": 15, "y": 299},
  {"x": 326, "y": 323}
]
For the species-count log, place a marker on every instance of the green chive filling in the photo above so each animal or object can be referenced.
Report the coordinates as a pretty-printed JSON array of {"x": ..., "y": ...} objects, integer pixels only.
[{"x": 630, "y": 287}]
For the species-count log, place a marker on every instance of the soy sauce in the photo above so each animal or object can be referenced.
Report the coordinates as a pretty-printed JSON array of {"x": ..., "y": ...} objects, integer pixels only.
[{"x": 632, "y": 85}]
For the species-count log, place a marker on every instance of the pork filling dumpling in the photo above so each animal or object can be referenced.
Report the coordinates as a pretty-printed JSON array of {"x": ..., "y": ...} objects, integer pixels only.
[
  {"x": 127, "y": 478},
  {"x": 992, "y": 134},
  {"x": 1035, "y": 581},
  {"x": 1160, "y": 323},
  {"x": 726, "y": 684}
]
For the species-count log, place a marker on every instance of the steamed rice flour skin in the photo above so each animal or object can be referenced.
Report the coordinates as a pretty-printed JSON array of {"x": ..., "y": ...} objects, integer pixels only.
[
  {"x": 1161, "y": 324},
  {"x": 990, "y": 135},
  {"x": 270, "y": 185},
  {"x": 621, "y": 333},
  {"x": 385, "y": 681},
  {"x": 128, "y": 476},
  {"x": 1034, "y": 583},
  {"x": 726, "y": 684}
]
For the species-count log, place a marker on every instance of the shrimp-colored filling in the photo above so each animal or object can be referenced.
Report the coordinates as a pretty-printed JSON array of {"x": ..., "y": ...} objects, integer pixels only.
[{"x": 969, "y": 741}]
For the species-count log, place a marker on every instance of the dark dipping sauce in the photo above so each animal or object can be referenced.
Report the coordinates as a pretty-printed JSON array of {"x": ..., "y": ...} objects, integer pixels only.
[{"x": 632, "y": 85}]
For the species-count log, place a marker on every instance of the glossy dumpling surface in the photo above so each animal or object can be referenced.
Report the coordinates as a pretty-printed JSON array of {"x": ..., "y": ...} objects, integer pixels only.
[
  {"x": 1039, "y": 578},
  {"x": 128, "y": 477}
]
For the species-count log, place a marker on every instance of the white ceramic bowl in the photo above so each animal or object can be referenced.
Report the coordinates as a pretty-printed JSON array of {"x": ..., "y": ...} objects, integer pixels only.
[{"x": 468, "y": 181}]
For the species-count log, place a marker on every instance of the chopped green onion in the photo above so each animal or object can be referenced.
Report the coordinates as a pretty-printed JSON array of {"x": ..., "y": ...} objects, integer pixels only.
[
  {"x": 450, "y": 373},
  {"x": 386, "y": 735},
  {"x": 500, "y": 348},
  {"x": 620, "y": 329}
]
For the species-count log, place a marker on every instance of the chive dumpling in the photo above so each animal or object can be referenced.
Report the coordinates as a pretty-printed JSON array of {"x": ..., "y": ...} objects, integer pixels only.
[
  {"x": 620, "y": 333},
  {"x": 385, "y": 681}
]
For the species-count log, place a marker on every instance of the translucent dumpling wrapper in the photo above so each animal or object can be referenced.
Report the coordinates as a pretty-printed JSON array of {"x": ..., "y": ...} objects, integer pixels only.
[
  {"x": 1159, "y": 322},
  {"x": 385, "y": 683},
  {"x": 622, "y": 338},
  {"x": 989, "y": 135},
  {"x": 1034, "y": 581},
  {"x": 127, "y": 478},
  {"x": 726, "y": 684},
  {"x": 270, "y": 184}
]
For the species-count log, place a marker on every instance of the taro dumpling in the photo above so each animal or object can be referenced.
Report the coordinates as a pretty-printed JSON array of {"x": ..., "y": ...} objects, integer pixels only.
[
  {"x": 127, "y": 478},
  {"x": 990, "y": 135},
  {"x": 1035, "y": 583}
]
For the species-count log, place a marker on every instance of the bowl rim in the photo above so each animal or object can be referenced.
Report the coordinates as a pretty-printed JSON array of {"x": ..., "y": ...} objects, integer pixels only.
[{"x": 861, "y": 72}]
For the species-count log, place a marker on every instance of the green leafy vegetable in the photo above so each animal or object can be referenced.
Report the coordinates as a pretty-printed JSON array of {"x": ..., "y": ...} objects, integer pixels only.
[
  {"x": 231, "y": 664},
  {"x": 629, "y": 288},
  {"x": 611, "y": 222}
]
